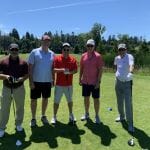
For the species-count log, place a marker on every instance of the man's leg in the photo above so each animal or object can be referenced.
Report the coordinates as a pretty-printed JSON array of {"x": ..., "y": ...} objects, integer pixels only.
[
  {"x": 86, "y": 104},
  {"x": 120, "y": 99},
  {"x": 96, "y": 106},
  {"x": 55, "y": 107},
  {"x": 128, "y": 105},
  {"x": 33, "y": 107},
  {"x": 70, "y": 105},
  {"x": 19, "y": 96},
  {"x": 5, "y": 107},
  {"x": 44, "y": 105}
]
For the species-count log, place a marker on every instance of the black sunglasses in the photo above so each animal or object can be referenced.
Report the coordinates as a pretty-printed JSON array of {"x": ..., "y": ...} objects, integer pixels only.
[
  {"x": 90, "y": 45},
  {"x": 14, "y": 49},
  {"x": 66, "y": 50},
  {"x": 121, "y": 49}
]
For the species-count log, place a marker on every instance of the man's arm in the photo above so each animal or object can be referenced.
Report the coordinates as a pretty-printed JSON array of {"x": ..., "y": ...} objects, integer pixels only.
[{"x": 31, "y": 83}]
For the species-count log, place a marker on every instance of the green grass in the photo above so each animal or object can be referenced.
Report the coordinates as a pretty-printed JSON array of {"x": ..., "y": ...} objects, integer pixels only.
[{"x": 85, "y": 136}]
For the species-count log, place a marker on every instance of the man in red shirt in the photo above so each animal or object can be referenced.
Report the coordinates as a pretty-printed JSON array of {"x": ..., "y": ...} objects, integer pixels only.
[
  {"x": 65, "y": 66},
  {"x": 91, "y": 65}
]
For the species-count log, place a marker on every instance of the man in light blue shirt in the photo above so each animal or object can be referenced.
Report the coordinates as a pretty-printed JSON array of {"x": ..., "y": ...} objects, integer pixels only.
[
  {"x": 124, "y": 63},
  {"x": 40, "y": 77}
]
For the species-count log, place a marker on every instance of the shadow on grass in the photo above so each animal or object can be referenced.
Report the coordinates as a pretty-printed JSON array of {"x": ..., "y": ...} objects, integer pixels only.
[
  {"x": 9, "y": 141},
  {"x": 103, "y": 131},
  {"x": 142, "y": 138},
  {"x": 49, "y": 134}
]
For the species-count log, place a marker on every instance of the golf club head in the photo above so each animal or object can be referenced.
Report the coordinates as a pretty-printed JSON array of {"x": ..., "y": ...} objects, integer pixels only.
[{"x": 131, "y": 142}]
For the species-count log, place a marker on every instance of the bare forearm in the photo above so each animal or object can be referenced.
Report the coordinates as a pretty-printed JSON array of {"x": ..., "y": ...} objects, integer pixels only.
[
  {"x": 99, "y": 75},
  {"x": 56, "y": 70},
  {"x": 3, "y": 76},
  {"x": 131, "y": 68}
]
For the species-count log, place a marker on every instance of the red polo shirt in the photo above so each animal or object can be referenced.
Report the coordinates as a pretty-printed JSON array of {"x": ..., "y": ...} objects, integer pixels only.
[
  {"x": 68, "y": 63},
  {"x": 91, "y": 65}
]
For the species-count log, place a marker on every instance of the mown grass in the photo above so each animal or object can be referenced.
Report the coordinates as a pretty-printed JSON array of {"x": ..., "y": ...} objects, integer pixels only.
[{"x": 85, "y": 135}]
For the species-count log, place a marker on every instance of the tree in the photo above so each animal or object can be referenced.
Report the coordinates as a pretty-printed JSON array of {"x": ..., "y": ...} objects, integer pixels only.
[
  {"x": 97, "y": 31},
  {"x": 15, "y": 34}
]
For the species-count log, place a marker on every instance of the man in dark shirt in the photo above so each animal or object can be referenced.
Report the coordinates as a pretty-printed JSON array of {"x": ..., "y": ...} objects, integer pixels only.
[{"x": 13, "y": 72}]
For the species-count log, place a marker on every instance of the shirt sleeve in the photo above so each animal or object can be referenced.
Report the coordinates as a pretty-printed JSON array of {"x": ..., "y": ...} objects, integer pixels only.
[
  {"x": 55, "y": 64},
  {"x": 81, "y": 61},
  {"x": 100, "y": 62},
  {"x": 131, "y": 60},
  {"x": 31, "y": 58},
  {"x": 75, "y": 66},
  {"x": 115, "y": 61}
]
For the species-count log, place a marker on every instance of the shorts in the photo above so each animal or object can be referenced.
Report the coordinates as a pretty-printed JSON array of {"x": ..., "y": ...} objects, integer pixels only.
[
  {"x": 41, "y": 88},
  {"x": 88, "y": 89},
  {"x": 60, "y": 90}
]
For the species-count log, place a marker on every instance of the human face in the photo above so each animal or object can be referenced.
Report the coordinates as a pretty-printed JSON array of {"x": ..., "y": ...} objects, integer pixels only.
[
  {"x": 121, "y": 51},
  {"x": 90, "y": 47},
  {"x": 46, "y": 43},
  {"x": 66, "y": 50},
  {"x": 14, "y": 52}
]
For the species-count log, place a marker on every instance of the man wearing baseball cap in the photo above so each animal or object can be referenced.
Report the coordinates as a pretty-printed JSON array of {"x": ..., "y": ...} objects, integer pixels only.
[
  {"x": 91, "y": 65},
  {"x": 13, "y": 72},
  {"x": 124, "y": 63},
  {"x": 65, "y": 66}
]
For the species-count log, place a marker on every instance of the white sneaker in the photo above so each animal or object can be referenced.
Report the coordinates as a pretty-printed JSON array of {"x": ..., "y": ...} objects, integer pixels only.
[
  {"x": 53, "y": 121},
  {"x": 2, "y": 132},
  {"x": 85, "y": 117},
  {"x": 19, "y": 128}
]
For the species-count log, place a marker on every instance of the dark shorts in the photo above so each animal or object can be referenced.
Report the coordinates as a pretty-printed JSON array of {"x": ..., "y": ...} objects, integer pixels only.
[
  {"x": 88, "y": 89},
  {"x": 43, "y": 89}
]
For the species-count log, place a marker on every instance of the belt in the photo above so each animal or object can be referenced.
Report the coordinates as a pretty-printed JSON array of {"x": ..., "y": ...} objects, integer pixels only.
[{"x": 123, "y": 80}]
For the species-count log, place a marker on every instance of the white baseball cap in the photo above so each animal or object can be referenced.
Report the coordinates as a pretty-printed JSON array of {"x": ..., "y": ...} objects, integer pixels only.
[
  {"x": 90, "y": 42},
  {"x": 66, "y": 44},
  {"x": 122, "y": 45}
]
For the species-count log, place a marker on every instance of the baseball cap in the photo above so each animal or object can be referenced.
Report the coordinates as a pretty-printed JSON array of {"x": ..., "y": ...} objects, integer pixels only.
[
  {"x": 45, "y": 37},
  {"x": 122, "y": 46},
  {"x": 90, "y": 42},
  {"x": 66, "y": 44},
  {"x": 13, "y": 46}
]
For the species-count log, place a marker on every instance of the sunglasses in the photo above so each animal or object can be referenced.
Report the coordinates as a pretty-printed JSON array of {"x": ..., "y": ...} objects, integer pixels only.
[
  {"x": 66, "y": 50},
  {"x": 14, "y": 49},
  {"x": 121, "y": 49},
  {"x": 90, "y": 46}
]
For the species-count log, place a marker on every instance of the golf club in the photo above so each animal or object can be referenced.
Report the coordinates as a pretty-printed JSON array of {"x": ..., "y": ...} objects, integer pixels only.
[{"x": 131, "y": 141}]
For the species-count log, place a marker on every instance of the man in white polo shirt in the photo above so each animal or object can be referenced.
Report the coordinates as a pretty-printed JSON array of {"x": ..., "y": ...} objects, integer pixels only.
[{"x": 124, "y": 63}]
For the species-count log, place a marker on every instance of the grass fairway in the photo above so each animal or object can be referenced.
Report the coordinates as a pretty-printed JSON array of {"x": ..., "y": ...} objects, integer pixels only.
[{"x": 85, "y": 135}]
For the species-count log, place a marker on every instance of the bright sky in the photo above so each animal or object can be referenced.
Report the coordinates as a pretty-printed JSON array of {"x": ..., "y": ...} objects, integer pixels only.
[{"x": 38, "y": 16}]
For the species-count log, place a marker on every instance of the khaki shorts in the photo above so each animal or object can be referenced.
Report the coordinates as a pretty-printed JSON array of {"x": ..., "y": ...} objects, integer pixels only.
[{"x": 60, "y": 90}]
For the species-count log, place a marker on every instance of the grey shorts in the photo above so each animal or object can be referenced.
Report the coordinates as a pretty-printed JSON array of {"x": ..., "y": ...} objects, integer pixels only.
[{"x": 60, "y": 90}]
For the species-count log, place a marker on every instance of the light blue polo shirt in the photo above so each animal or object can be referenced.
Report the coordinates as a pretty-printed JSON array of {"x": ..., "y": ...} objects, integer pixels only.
[{"x": 42, "y": 64}]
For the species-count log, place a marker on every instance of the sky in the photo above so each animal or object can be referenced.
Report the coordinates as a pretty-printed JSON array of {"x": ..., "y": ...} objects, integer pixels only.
[{"x": 130, "y": 17}]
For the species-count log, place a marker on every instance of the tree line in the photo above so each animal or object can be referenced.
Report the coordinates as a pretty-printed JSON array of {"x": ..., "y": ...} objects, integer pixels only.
[{"x": 138, "y": 46}]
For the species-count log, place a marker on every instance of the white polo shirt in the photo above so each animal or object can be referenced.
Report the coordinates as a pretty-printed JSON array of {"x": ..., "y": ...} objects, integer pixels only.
[{"x": 123, "y": 65}]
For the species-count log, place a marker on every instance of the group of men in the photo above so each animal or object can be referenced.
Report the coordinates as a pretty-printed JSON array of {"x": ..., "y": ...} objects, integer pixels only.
[{"x": 45, "y": 70}]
